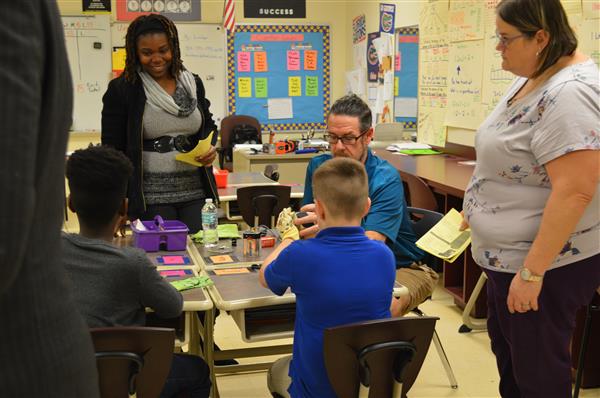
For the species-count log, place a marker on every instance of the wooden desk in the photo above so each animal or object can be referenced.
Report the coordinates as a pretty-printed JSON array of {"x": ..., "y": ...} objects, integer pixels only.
[
  {"x": 291, "y": 167},
  {"x": 448, "y": 180}
]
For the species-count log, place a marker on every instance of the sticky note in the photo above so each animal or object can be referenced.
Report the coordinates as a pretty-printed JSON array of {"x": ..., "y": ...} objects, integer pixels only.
[
  {"x": 294, "y": 86},
  {"x": 174, "y": 260},
  {"x": 398, "y": 62},
  {"x": 176, "y": 272},
  {"x": 293, "y": 60},
  {"x": 260, "y": 87},
  {"x": 312, "y": 86},
  {"x": 396, "y": 86},
  {"x": 245, "y": 87},
  {"x": 118, "y": 58},
  {"x": 243, "y": 61},
  {"x": 310, "y": 59},
  {"x": 221, "y": 259},
  {"x": 231, "y": 271},
  {"x": 260, "y": 61}
]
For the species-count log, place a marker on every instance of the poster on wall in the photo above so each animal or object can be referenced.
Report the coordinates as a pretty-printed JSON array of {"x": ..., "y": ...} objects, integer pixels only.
[
  {"x": 372, "y": 58},
  {"x": 274, "y": 9},
  {"x": 95, "y": 6},
  {"x": 176, "y": 10},
  {"x": 387, "y": 13}
]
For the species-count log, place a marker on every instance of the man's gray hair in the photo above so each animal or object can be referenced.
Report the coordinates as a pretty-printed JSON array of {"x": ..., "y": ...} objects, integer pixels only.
[{"x": 353, "y": 105}]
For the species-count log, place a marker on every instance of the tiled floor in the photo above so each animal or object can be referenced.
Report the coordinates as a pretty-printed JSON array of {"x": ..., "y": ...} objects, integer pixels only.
[{"x": 470, "y": 356}]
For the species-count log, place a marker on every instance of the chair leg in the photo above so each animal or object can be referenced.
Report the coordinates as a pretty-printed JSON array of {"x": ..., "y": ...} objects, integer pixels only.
[
  {"x": 441, "y": 353},
  {"x": 468, "y": 322},
  {"x": 444, "y": 358}
]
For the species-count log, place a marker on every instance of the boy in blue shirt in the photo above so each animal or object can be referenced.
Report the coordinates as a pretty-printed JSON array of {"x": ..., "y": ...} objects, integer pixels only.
[{"x": 340, "y": 277}]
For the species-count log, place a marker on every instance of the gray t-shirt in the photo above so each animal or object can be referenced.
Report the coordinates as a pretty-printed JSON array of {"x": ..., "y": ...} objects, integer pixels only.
[
  {"x": 506, "y": 196},
  {"x": 112, "y": 286}
]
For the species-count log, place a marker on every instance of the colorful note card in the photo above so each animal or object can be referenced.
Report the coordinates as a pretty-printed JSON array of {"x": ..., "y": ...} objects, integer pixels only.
[
  {"x": 398, "y": 62},
  {"x": 231, "y": 271},
  {"x": 173, "y": 260},
  {"x": 396, "y": 86},
  {"x": 312, "y": 86},
  {"x": 260, "y": 87},
  {"x": 294, "y": 86},
  {"x": 310, "y": 59},
  {"x": 222, "y": 259},
  {"x": 260, "y": 61},
  {"x": 293, "y": 60},
  {"x": 175, "y": 272},
  {"x": 243, "y": 61},
  {"x": 245, "y": 87}
]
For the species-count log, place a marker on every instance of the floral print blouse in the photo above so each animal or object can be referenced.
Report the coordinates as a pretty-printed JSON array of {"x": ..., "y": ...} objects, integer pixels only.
[{"x": 506, "y": 196}]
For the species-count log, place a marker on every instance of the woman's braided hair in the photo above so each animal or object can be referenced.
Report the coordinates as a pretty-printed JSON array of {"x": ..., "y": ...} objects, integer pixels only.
[{"x": 151, "y": 23}]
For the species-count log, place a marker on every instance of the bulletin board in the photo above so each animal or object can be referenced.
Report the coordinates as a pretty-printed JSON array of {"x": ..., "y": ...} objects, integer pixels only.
[
  {"x": 406, "y": 65},
  {"x": 280, "y": 74}
]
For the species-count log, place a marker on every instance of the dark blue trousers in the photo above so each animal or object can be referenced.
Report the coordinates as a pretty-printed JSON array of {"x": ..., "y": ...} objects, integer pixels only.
[
  {"x": 189, "y": 377},
  {"x": 533, "y": 349}
]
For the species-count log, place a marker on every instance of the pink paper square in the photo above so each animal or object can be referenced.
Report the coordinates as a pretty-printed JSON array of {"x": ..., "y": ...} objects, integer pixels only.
[{"x": 171, "y": 260}]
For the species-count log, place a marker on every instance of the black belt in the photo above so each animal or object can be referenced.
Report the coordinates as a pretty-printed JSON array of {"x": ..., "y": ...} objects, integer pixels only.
[{"x": 167, "y": 143}]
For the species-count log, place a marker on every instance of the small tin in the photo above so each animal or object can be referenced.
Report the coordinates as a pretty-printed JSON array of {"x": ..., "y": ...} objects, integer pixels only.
[{"x": 251, "y": 243}]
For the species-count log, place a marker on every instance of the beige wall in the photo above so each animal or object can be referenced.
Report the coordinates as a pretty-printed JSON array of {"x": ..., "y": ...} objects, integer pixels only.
[{"x": 325, "y": 12}]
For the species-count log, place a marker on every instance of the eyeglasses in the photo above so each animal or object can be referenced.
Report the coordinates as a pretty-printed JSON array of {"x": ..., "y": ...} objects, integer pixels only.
[
  {"x": 505, "y": 41},
  {"x": 346, "y": 139}
]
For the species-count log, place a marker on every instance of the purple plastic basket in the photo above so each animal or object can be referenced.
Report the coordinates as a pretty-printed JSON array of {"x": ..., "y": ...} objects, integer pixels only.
[{"x": 170, "y": 235}]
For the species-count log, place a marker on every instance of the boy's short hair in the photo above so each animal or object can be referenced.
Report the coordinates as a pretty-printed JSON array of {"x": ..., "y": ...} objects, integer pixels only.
[
  {"x": 341, "y": 185},
  {"x": 98, "y": 179}
]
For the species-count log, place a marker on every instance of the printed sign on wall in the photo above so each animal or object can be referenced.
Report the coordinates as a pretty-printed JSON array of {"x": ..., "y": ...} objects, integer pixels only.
[{"x": 274, "y": 9}]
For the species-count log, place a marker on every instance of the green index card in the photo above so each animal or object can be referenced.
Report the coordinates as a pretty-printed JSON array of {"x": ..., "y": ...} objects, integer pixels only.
[{"x": 260, "y": 87}]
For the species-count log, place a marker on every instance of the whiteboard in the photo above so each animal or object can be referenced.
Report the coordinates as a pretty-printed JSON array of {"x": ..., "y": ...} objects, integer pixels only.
[
  {"x": 203, "y": 53},
  {"x": 89, "y": 51}
]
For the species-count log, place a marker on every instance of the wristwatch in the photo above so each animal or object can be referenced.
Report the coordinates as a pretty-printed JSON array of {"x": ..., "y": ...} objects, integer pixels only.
[{"x": 526, "y": 275}]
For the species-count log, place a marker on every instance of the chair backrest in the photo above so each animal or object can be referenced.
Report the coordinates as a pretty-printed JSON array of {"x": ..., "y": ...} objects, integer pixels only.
[
  {"x": 419, "y": 193},
  {"x": 228, "y": 124},
  {"x": 132, "y": 360},
  {"x": 422, "y": 220},
  {"x": 260, "y": 204},
  {"x": 380, "y": 353}
]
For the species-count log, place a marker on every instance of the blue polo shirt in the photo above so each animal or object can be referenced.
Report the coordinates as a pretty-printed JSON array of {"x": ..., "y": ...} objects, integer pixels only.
[
  {"x": 388, "y": 214},
  {"x": 333, "y": 279}
]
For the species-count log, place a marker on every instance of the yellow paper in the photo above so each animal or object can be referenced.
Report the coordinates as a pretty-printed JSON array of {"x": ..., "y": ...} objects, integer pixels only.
[
  {"x": 444, "y": 240},
  {"x": 118, "y": 58},
  {"x": 294, "y": 86},
  {"x": 245, "y": 87},
  {"x": 200, "y": 149}
]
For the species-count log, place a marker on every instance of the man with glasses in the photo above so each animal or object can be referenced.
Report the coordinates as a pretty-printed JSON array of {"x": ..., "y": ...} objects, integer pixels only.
[{"x": 349, "y": 133}]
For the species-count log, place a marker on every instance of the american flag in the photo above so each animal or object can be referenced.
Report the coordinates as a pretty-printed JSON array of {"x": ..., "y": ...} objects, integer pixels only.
[{"x": 229, "y": 15}]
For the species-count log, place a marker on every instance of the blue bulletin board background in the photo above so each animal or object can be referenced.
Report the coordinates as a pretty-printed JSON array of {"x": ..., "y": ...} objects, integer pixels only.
[
  {"x": 407, "y": 52},
  {"x": 276, "y": 40}
]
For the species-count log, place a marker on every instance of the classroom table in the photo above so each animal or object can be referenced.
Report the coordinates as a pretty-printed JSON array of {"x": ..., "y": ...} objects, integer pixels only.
[{"x": 194, "y": 300}]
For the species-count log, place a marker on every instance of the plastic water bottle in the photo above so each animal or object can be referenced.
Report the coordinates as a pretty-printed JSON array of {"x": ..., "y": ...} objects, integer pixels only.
[{"x": 210, "y": 221}]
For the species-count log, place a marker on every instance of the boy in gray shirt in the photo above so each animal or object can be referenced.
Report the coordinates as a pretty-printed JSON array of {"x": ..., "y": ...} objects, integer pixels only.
[{"x": 112, "y": 286}]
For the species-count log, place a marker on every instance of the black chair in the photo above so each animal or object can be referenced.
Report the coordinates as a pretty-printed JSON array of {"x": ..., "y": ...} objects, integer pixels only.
[
  {"x": 380, "y": 358},
  {"x": 227, "y": 126},
  {"x": 422, "y": 221},
  {"x": 419, "y": 194},
  {"x": 261, "y": 204},
  {"x": 132, "y": 360}
]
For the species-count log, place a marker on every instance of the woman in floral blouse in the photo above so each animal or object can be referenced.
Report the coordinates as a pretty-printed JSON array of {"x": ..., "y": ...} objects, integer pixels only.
[{"x": 533, "y": 203}]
